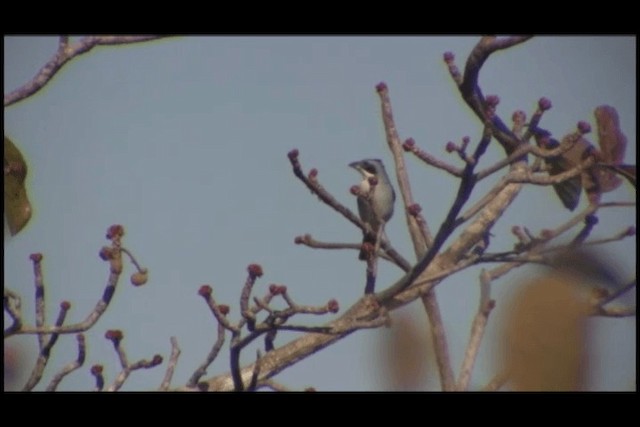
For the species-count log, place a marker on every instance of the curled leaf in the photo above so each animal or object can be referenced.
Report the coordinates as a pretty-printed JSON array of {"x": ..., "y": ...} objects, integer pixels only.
[
  {"x": 613, "y": 144},
  {"x": 17, "y": 209}
]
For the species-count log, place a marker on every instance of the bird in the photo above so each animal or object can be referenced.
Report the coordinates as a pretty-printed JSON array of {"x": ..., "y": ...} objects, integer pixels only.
[
  {"x": 374, "y": 209},
  {"x": 569, "y": 190}
]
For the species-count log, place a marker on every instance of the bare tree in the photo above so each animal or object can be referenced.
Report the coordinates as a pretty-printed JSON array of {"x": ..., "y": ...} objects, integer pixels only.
[{"x": 532, "y": 156}]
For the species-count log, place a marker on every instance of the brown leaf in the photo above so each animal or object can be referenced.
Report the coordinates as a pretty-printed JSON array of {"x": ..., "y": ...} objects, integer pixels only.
[
  {"x": 405, "y": 354},
  {"x": 612, "y": 141},
  {"x": 545, "y": 338},
  {"x": 17, "y": 209},
  {"x": 613, "y": 144}
]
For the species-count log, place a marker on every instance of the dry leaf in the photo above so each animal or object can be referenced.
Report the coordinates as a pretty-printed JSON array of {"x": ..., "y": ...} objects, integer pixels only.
[
  {"x": 613, "y": 144},
  {"x": 405, "y": 351},
  {"x": 17, "y": 209},
  {"x": 545, "y": 340}
]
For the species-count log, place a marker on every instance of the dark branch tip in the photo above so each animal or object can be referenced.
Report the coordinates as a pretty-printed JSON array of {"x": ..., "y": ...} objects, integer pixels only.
[
  {"x": 333, "y": 306},
  {"x": 36, "y": 257},
  {"x": 381, "y": 87},
  {"x": 355, "y": 190},
  {"x": 293, "y": 154},
  {"x": 114, "y": 231},
  {"x": 584, "y": 127},
  {"x": 157, "y": 360},
  {"x": 114, "y": 335},
  {"x": 255, "y": 270},
  {"x": 631, "y": 231},
  {"x": 96, "y": 370},
  {"x": 544, "y": 104},
  {"x": 591, "y": 219},
  {"x": 224, "y": 309},
  {"x": 449, "y": 57},
  {"x": 65, "y": 305},
  {"x": 451, "y": 147},
  {"x": 408, "y": 144},
  {"x": 313, "y": 173},
  {"x": 205, "y": 291}
]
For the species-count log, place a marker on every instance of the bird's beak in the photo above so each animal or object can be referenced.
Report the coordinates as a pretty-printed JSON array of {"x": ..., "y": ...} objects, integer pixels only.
[{"x": 355, "y": 165}]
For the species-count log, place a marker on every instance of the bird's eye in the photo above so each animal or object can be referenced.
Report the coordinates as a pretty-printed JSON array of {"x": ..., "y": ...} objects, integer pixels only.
[{"x": 369, "y": 168}]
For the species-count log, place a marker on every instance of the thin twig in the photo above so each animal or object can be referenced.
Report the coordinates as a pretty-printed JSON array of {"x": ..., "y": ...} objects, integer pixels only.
[
  {"x": 477, "y": 331},
  {"x": 440, "y": 346},
  {"x": 465, "y": 188},
  {"x": 116, "y": 336},
  {"x": 96, "y": 371},
  {"x": 70, "y": 367},
  {"x": 213, "y": 353},
  {"x": 65, "y": 53},
  {"x": 171, "y": 366},
  {"x": 114, "y": 233},
  {"x": 309, "y": 241},
  {"x": 393, "y": 141},
  {"x": 39, "y": 296},
  {"x": 471, "y": 92},
  {"x": 431, "y": 160},
  {"x": 206, "y": 292},
  {"x": 45, "y": 351}
]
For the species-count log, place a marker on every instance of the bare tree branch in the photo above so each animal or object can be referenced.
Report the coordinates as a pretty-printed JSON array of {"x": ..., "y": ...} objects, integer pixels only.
[
  {"x": 213, "y": 353},
  {"x": 393, "y": 141},
  {"x": 65, "y": 53},
  {"x": 116, "y": 336},
  {"x": 477, "y": 331},
  {"x": 45, "y": 350},
  {"x": 309, "y": 241},
  {"x": 70, "y": 367},
  {"x": 173, "y": 361},
  {"x": 108, "y": 253}
]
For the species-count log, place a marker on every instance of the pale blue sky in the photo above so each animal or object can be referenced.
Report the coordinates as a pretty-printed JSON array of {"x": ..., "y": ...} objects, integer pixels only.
[{"x": 184, "y": 141}]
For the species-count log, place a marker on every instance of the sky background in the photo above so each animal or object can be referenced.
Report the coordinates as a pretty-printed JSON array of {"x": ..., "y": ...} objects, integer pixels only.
[{"x": 184, "y": 141}]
